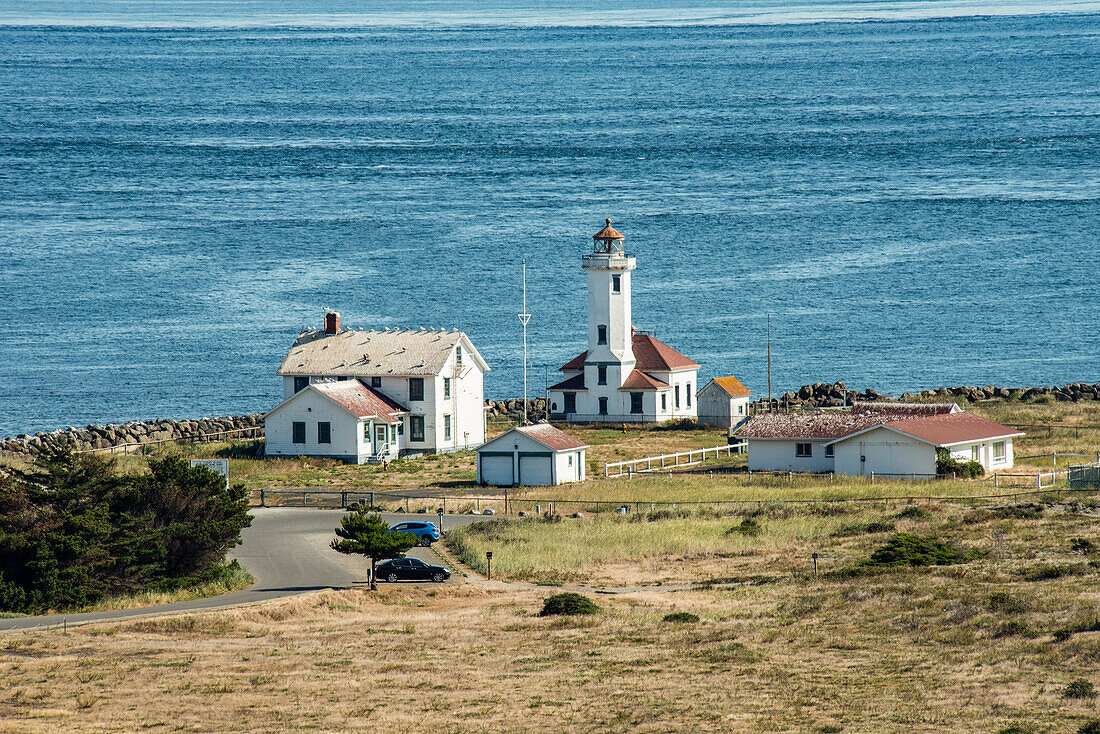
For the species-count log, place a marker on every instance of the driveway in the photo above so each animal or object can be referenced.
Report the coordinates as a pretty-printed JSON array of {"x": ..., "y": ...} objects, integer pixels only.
[{"x": 286, "y": 549}]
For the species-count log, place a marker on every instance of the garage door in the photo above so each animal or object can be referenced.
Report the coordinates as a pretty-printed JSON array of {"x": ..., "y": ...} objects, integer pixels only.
[
  {"x": 497, "y": 470},
  {"x": 534, "y": 470}
]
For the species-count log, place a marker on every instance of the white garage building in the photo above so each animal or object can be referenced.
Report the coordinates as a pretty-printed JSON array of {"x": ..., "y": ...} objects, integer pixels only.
[{"x": 532, "y": 456}]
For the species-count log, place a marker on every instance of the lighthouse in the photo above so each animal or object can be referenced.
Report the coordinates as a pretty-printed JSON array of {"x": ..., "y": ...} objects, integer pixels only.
[{"x": 624, "y": 375}]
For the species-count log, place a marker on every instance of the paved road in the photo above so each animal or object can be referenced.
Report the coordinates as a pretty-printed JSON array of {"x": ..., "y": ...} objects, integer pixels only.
[{"x": 286, "y": 549}]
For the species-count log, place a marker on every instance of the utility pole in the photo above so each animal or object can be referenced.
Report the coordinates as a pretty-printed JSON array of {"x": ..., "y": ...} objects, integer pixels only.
[
  {"x": 524, "y": 318},
  {"x": 769, "y": 363}
]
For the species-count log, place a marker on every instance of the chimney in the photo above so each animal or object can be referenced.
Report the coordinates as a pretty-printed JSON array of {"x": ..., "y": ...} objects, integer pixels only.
[{"x": 332, "y": 322}]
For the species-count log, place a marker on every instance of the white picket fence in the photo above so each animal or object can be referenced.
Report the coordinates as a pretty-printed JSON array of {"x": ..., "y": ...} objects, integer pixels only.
[{"x": 669, "y": 461}]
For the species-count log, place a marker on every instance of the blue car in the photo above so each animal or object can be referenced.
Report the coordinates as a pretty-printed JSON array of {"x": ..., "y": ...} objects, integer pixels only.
[{"x": 425, "y": 532}]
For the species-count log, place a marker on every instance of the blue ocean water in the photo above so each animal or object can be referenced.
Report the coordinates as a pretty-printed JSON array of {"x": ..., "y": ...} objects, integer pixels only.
[{"x": 914, "y": 197}]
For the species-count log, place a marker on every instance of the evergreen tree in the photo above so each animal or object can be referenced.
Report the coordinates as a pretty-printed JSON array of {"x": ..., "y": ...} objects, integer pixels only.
[{"x": 368, "y": 535}]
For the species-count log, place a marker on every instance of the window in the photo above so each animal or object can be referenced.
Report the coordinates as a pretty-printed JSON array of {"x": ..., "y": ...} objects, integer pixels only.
[
  {"x": 376, "y": 382},
  {"x": 341, "y": 379},
  {"x": 601, "y": 334},
  {"x": 603, "y": 406},
  {"x": 416, "y": 388},
  {"x": 664, "y": 401},
  {"x": 677, "y": 401},
  {"x": 446, "y": 388},
  {"x": 570, "y": 459},
  {"x": 601, "y": 375},
  {"x": 616, "y": 284},
  {"x": 740, "y": 409},
  {"x": 300, "y": 383},
  {"x": 324, "y": 432},
  {"x": 804, "y": 450},
  {"x": 975, "y": 453},
  {"x": 458, "y": 355},
  {"x": 393, "y": 434},
  {"x": 998, "y": 451},
  {"x": 635, "y": 402},
  {"x": 401, "y": 428},
  {"x": 829, "y": 451},
  {"x": 446, "y": 428},
  {"x": 570, "y": 402},
  {"x": 298, "y": 432},
  {"x": 687, "y": 393},
  {"x": 366, "y": 431},
  {"x": 416, "y": 428}
]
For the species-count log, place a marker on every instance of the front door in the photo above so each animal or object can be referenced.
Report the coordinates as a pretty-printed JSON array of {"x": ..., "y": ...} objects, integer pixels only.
[{"x": 380, "y": 433}]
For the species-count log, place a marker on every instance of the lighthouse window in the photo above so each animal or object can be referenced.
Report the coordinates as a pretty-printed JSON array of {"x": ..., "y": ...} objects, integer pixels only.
[
  {"x": 635, "y": 402},
  {"x": 603, "y": 406},
  {"x": 601, "y": 375},
  {"x": 601, "y": 334},
  {"x": 616, "y": 283}
]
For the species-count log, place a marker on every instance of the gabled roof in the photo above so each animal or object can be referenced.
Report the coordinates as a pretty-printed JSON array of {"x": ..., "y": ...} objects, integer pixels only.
[
  {"x": 732, "y": 387},
  {"x": 396, "y": 352},
  {"x": 909, "y": 410},
  {"x": 354, "y": 397},
  {"x": 638, "y": 380},
  {"x": 545, "y": 434},
  {"x": 576, "y": 382},
  {"x": 650, "y": 355},
  {"x": 949, "y": 429},
  {"x": 807, "y": 425}
]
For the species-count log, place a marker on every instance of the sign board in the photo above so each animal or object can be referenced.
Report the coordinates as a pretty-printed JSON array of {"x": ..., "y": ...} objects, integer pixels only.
[{"x": 218, "y": 466}]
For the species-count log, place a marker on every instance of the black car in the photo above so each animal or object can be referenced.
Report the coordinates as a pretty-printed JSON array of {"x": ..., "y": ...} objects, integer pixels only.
[{"x": 411, "y": 569}]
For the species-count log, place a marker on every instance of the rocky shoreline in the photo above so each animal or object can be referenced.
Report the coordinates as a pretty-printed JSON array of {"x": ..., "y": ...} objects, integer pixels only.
[
  {"x": 136, "y": 433},
  {"x": 132, "y": 435}
]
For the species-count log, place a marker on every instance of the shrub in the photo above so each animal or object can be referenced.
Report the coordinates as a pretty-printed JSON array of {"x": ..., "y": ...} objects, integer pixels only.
[
  {"x": 1081, "y": 545},
  {"x": 568, "y": 603},
  {"x": 912, "y": 550},
  {"x": 1092, "y": 726},
  {"x": 962, "y": 469},
  {"x": 1005, "y": 603},
  {"x": 748, "y": 526},
  {"x": 1079, "y": 688},
  {"x": 681, "y": 618},
  {"x": 1020, "y": 512},
  {"x": 913, "y": 513},
  {"x": 861, "y": 528},
  {"x": 1013, "y": 628},
  {"x": 1014, "y": 729},
  {"x": 1050, "y": 571}
]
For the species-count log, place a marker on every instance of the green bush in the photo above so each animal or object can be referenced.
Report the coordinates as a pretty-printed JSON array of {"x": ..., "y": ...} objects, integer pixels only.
[
  {"x": 681, "y": 618},
  {"x": 73, "y": 530},
  {"x": 1079, "y": 688},
  {"x": 1014, "y": 729},
  {"x": 912, "y": 550},
  {"x": 945, "y": 465},
  {"x": 913, "y": 513},
  {"x": 568, "y": 603},
  {"x": 1081, "y": 545},
  {"x": 1092, "y": 726},
  {"x": 861, "y": 528},
  {"x": 748, "y": 526}
]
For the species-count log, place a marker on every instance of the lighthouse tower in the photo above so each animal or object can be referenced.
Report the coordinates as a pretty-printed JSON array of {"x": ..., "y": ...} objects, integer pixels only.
[
  {"x": 624, "y": 375},
  {"x": 609, "y": 327}
]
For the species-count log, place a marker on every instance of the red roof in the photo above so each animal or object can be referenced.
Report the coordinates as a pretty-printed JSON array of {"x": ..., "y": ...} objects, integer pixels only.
[
  {"x": 608, "y": 233},
  {"x": 576, "y": 382},
  {"x": 359, "y": 399},
  {"x": 650, "y": 355},
  {"x": 947, "y": 429},
  {"x": 551, "y": 437},
  {"x": 638, "y": 380}
]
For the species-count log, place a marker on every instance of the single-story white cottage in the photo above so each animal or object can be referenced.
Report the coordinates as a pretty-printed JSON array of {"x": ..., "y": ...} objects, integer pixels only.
[
  {"x": 344, "y": 420},
  {"x": 434, "y": 376},
  {"x": 723, "y": 402},
  {"x": 531, "y": 456},
  {"x": 890, "y": 442}
]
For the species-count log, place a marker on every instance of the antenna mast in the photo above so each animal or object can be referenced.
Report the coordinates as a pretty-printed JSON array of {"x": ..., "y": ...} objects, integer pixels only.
[
  {"x": 524, "y": 318},
  {"x": 769, "y": 363}
]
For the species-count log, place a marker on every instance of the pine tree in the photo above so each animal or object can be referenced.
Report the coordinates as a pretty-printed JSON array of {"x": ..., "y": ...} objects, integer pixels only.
[{"x": 368, "y": 535}]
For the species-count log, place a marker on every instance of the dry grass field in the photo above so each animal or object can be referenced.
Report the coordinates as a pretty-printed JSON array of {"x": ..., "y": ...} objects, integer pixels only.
[{"x": 999, "y": 641}]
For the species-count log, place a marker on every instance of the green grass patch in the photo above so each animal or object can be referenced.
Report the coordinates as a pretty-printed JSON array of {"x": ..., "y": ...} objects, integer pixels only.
[{"x": 912, "y": 550}]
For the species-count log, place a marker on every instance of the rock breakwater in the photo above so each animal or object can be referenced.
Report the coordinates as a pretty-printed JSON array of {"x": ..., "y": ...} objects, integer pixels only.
[
  {"x": 837, "y": 394},
  {"x": 134, "y": 434}
]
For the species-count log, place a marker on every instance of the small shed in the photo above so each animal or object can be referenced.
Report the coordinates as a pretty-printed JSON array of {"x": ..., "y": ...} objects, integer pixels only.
[
  {"x": 532, "y": 456},
  {"x": 723, "y": 402}
]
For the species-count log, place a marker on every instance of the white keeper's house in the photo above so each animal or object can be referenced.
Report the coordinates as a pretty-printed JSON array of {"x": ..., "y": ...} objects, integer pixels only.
[
  {"x": 881, "y": 439},
  {"x": 365, "y": 396},
  {"x": 625, "y": 376}
]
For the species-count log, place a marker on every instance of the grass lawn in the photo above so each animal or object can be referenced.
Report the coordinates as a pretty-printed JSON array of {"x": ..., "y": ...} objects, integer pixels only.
[{"x": 1009, "y": 638}]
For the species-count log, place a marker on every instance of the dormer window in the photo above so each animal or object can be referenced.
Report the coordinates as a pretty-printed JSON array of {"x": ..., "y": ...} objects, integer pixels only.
[
  {"x": 601, "y": 334},
  {"x": 616, "y": 284},
  {"x": 458, "y": 355}
]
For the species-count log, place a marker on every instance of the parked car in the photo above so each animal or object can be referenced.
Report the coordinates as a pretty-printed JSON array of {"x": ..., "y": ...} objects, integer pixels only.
[
  {"x": 425, "y": 532},
  {"x": 411, "y": 569}
]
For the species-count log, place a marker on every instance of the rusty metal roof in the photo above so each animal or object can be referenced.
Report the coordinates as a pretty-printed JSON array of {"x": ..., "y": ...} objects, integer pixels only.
[
  {"x": 904, "y": 409},
  {"x": 390, "y": 352},
  {"x": 807, "y": 425},
  {"x": 608, "y": 233}
]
